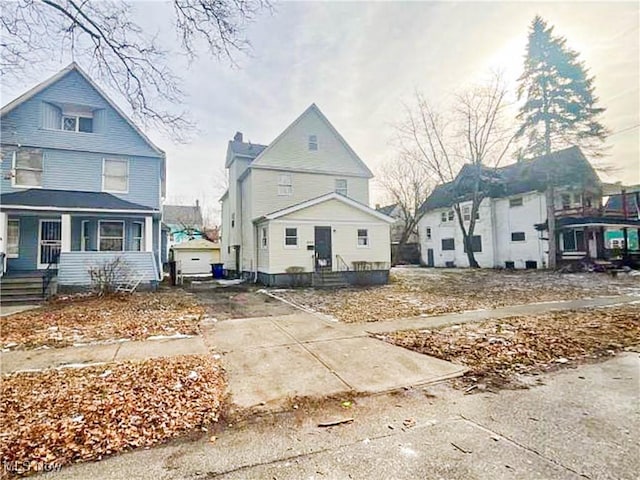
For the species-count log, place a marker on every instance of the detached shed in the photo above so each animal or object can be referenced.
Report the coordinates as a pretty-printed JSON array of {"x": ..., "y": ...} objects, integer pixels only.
[{"x": 195, "y": 257}]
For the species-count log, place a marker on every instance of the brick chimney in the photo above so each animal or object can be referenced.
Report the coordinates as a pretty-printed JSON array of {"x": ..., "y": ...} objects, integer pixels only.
[{"x": 237, "y": 137}]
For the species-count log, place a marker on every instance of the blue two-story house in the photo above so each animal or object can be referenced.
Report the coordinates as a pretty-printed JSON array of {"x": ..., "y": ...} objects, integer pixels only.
[{"x": 81, "y": 184}]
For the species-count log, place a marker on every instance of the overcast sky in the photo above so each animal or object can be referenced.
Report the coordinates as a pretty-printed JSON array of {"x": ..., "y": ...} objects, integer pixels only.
[{"x": 360, "y": 61}]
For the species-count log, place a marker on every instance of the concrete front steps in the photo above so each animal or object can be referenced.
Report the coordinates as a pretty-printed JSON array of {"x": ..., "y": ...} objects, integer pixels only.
[
  {"x": 24, "y": 288},
  {"x": 329, "y": 280}
]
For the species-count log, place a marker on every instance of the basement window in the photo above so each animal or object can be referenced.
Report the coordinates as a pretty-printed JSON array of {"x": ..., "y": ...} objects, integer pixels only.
[{"x": 518, "y": 237}]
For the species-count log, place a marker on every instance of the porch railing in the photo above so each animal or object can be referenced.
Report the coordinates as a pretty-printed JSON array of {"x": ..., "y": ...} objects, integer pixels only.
[
  {"x": 49, "y": 274},
  {"x": 341, "y": 264}
]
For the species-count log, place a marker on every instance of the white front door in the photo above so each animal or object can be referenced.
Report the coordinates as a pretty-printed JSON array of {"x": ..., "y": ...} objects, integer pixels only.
[{"x": 50, "y": 242}]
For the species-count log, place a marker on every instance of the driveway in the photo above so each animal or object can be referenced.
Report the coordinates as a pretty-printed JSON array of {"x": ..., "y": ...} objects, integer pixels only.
[{"x": 273, "y": 359}]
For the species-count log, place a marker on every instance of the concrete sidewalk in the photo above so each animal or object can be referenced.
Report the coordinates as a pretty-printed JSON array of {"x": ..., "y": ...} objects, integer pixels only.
[
  {"x": 272, "y": 359},
  {"x": 43, "y": 358}
]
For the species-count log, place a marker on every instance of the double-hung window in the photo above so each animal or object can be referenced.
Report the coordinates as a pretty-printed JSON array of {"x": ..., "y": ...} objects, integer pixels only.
[
  {"x": 138, "y": 236},
  {"x": 313, "y": 142},
  {"x": 341, "y": 186},
  {"x": 363, "y": 238},
  {"x": 518, "y": 236},
  {"x": 428, "y": 233},
  {"x": 290, "y": 237},
  {"x": 111, "y": 236},
  {"x": 115, "y": 175},
  {"x": 27, "y": 168},
  {"x": 13, "y": 238},
  {"x": 285, "y": 185}
]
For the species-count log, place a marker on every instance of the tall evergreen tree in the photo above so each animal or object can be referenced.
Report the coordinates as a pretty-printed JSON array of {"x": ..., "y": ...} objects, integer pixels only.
[{"x": 560, "y": 106}]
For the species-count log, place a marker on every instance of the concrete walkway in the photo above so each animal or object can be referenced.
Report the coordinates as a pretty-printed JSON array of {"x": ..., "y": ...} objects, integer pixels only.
[
  {"x": 43, "y": 358},
  {"x": 272, "y": 359}
]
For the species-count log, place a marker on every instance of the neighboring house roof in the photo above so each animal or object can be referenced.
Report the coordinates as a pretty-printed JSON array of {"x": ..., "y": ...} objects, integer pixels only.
[
  {"x": 246, "y": 149},
  {"x": 53, "y": 79},
  {"x": 42, "y": 199},
  {"x": 564, "y": 167},
  {"x": 615, "y": 202},
  {"x": 388, "y": 209},
  {"x": 185, "y": 215},
  {"x": 197, "y": 244},
  {"x": 324, "y": 198}
]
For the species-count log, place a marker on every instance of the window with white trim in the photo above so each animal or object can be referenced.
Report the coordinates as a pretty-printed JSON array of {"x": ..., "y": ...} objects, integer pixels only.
[
  {"x": 13, "y": 238},
  {"x": 341, "y": 186},
  {"x": 77, "y": 123},
  {"x": 111, "y": 236},
  {"x": 363, "y": 237},
  {"x": 84, "y": 236},
  {"x": 290, "y": 237},
  {"x": 285, "y": 184},
  {"x": 443, "y": 217},
  {"x": 313, "y": 142},
  {"x": 466, "y": 214},
  {"x": 27, "y": 167},
  {"x": 263, "y": 237},
  {"x": 450, "y": 215},
  {"x": 428, "y": 233},
  {"x": 137, "y": 236},
  {"x": 115, "y": 175}
]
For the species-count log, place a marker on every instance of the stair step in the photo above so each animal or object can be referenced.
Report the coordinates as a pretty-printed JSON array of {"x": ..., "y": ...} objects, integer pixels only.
[{"x": 22, "y": 299}]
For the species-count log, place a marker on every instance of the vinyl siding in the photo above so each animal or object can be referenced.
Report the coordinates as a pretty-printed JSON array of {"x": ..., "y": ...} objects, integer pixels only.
[
  {"x": 291, "y": 152},
  {"x": 344, "y": 221},
  {"x": 27, "y": 124},
  {"x": 73, "y": 170},
  {"x": 74, "y": 266}
]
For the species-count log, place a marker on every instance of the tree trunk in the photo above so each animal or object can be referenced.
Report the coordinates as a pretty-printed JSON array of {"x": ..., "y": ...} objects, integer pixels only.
[{"x": 473, "y": 263}]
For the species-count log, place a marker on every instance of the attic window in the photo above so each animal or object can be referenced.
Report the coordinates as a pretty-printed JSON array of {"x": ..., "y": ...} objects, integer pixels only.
[
  {"x": 77, "y": 123},
  {"x": 313, "y": 142}
]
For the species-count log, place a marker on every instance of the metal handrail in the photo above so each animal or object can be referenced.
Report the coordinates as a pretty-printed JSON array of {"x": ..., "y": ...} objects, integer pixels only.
[
  {"x": 340, "y": 261},
  {"x": 48, "y": 275}
]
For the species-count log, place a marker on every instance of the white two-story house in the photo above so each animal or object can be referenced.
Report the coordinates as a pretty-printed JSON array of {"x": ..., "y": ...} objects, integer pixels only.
[
  {"x": 536, "y": 213},
  {"x": 300, "y": 206}
]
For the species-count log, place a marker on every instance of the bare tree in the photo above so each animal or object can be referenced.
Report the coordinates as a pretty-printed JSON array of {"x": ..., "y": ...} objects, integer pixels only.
[
  {"x": 462, "y": 147},
  {"x": 407, "y": 183},
  {"x": 103, "y": 35}
]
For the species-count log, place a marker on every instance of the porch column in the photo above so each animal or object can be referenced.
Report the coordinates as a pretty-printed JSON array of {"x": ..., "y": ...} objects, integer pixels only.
[
  {"x": 65, "y": 238},
  {"x": 148, "y": 234}
]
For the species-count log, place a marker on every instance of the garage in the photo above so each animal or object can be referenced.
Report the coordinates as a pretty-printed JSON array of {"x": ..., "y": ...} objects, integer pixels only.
[{"x": 195, "y": 256}]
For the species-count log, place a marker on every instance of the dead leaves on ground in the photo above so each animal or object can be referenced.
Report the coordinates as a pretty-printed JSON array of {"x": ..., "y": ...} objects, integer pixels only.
[
  {"x": 414, "y": 292},
  {"x": 85, "y": 319},
  {"x": 497, "y": 350},
  {"x": 57, "y": 417}
]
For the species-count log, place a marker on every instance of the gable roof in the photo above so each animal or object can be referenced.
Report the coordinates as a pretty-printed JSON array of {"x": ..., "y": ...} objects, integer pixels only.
[
  {"x": 41, "y": 199},
  {"x": 387, "y": 209},
  {"x": 182, "y": 215},
  {"x": 324, "y": 198},
  {"x": 196, "y": 244},
  {"x": 53, "y": 79},
  {"x": 564, "y": 167},
  {"x": 313, "y": 108}
]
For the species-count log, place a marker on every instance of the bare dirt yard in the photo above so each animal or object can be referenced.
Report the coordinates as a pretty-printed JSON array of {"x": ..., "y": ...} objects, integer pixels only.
[
  {"x": 83, "y": 319},
  {"x": 424, "y": 291},
  {"x": 55, "y": 417},
  {"x": 499, "y": 353},
  {"x": 239, "y": 302}
]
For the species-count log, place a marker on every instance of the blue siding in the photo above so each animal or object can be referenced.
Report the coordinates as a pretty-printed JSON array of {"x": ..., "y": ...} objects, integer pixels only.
[
  {"x": 26, "y": 123},
  {"x": 74, "y": 266},
  {"x": 71, "y": 170}
]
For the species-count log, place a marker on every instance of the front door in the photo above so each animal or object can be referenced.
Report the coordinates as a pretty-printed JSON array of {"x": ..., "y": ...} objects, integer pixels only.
[
  {"x": 430, "y": 257},
  {"x": 323, "y": 248},
  {"x": 50, "y": 241}
]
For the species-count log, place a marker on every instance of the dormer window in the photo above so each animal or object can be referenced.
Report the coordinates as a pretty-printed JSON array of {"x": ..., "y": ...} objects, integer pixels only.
[
  {"x": 77, "y": 123},
  {"x": 313, "y": 142}
]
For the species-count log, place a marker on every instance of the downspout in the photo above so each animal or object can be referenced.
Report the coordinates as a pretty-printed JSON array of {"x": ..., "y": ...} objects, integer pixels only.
[{"x": 255, "y": 279}]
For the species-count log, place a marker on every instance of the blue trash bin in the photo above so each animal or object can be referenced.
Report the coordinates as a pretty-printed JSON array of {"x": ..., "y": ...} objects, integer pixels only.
[{"x": 217, "y": 270}]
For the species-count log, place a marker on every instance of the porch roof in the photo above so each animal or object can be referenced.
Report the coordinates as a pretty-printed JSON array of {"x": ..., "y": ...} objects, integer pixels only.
[
  {"x": 617, "y": 222},
  {"x": 44, "y": 199}
]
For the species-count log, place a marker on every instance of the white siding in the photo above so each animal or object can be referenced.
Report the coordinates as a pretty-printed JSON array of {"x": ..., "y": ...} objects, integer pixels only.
[
  {"x": 291, "y": 151},
  {"x": 344, "y": 221},
  {"x": 496, "y": 223}
]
